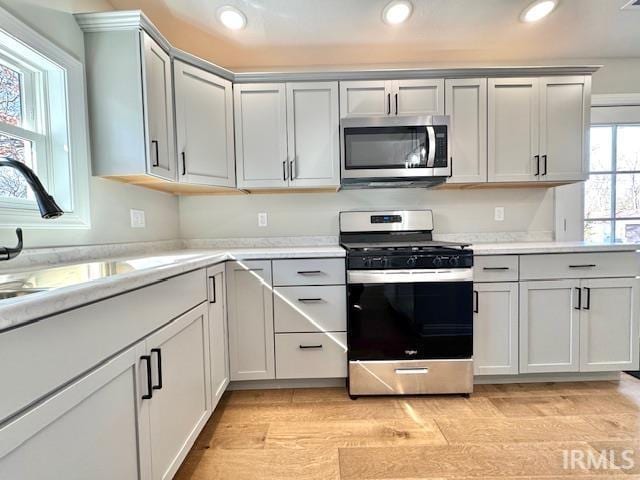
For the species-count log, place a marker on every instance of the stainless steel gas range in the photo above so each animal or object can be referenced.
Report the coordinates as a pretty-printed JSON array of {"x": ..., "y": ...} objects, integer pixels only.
[{"x": 410, "y": 306}]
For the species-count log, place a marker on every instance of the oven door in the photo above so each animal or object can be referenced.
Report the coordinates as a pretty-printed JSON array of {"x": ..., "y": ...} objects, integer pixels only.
[
  {"x": 396, "y": 147},
  {"x": 406, "y": 317}
]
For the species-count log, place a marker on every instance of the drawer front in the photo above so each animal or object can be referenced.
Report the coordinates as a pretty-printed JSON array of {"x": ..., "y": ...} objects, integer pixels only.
[
  {"x": 311, "y": 355},
  {"x": 495, "y": 268},
  {"x": 310, "y": 309},
  {"x": 315, "y": 271},
  {"x": 49, "y": 353},
  {"x": 579, "y": 265}
]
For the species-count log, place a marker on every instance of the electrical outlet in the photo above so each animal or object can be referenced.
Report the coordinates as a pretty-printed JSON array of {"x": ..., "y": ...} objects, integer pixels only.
[
  {"x": 137, "y": 218},
  {"x": 498, "y": 214},
  {"x": 262, "y": 219}
]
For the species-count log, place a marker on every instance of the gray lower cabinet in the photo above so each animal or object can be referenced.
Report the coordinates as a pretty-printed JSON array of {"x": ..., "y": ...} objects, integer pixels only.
[
  {"x": 204, "y": 127},
  {"x": 287, "y": 135},
  {"x": 90, "y": 429},
  {"x": 250, "y": 319},
  {"x": 133, "y": 136},
  {"x": 218, "y": 333},
  {"x": 495, "y": 329}
]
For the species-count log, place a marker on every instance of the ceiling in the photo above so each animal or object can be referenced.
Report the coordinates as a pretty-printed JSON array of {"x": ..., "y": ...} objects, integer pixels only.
[{"x": 351, "y": 32}]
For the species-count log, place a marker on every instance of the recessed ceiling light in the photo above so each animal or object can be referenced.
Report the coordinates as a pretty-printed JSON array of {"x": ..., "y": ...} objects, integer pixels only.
[
  {"x": 397, "y": 12},
  {"x": 538, "y": 10},
  {"x": 231, "y": 17}
]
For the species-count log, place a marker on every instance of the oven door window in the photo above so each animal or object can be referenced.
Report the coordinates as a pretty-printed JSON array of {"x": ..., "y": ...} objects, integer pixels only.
[
  {"x": 410, "y": 321},
  {"x": 385, "y": 147}
]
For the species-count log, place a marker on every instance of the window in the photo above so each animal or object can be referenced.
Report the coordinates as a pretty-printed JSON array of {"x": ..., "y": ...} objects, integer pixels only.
[
  {"x": 612, "y": 193},
  {"x": 42, "y": 124}
]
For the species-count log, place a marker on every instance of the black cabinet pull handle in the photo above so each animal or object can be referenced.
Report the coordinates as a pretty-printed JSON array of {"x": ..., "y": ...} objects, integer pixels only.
[
  {"x": 308, "y": 347},
  {"x": 579, "y": 306},
  {"x": 475, "y": 302},
  {"x": 489, "y": 269},
  {"x": 587, "y": 302},
  {"x": 310, "y": 300},
  {"x": 537, "y": 157},
  {"x": 284, "y": 170},
  {"x": 184, "y": 163},
  {"x": 396, "y": 104},
  {"x": 214, "y": 294},
  {"x": 388, "y": 104},
  {"x": 586, "y": 265},
  {"x": 157, "y": 145},
  {"x": 149, "y": 394},
  {"x": 159, "y": 353},
  {"x": 544, "y": 157},
  {"x": 310, "y": 272}
]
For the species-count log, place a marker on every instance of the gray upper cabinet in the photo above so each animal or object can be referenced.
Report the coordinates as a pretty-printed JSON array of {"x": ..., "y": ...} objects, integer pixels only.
[
  {"x": 312, "y": 133},
  {"x": 537, "y": 129},
  {"x": 466, "y": 105},
  {"x": 261, "y": 135},
  {"x": 133, "y": 136},
  {"x": 287, "y": 135},
  {"x": 204, "y": 127},
  {"x": 391, "y": 97}
]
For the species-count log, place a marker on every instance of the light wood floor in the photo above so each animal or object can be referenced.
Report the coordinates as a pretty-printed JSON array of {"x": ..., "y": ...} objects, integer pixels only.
[{"x": 502, "y": 431}]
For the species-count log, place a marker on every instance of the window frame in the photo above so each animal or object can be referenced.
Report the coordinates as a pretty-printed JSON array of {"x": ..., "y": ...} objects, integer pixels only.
[
  {"x": 66, "y": 175},
  {"x": 614, "y": 100}
]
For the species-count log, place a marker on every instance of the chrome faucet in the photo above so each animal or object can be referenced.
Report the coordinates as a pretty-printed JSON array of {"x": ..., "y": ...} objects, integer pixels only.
[{"x": 46, "y": 203}]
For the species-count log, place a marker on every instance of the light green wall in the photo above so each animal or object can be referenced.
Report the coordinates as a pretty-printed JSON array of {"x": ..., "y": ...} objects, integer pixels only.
[{"x": 110, "y": 201}]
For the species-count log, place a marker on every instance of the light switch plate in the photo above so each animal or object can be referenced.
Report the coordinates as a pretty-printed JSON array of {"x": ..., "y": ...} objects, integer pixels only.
[
  {"x": 498, "y": 214},
  {"x": 137, "y": 219},
  {"x": 262, "y": 219}
]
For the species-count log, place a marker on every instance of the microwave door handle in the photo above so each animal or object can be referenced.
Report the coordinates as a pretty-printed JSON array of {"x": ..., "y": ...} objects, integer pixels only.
[{"x": 431, "y": 155}]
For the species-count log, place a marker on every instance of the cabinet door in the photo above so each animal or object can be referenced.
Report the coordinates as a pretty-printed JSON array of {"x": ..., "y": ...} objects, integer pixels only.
[
  {"x": 90, "y": 429},
  {"x": 251, "y": 342},
  {"x": 180, "y": 405},
  {"x": 466, "y": 105},
  {"x": 495, "y": 329},
  {"x": 513, "y": 124},
  {"x": 549, "y": 320},
  {"x": 313, "y": 134},
  {"x": 261, "y": 135},
  {"x": 204, "y": 124},
  {"x": 609, "y": 325},
  {"x": 365, "y": 98},
  {"x": 564, "y": 119},
  {"x": 218, "y": 333},
  {"x": 418, "y": 97},
  {"x": 158, "y": 94}
]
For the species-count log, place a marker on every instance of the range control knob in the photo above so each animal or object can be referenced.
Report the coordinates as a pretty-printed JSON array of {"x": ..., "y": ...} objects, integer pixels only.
[
  {"x": 366, "y": 261},
  {"x": 411, "y": 261},
  {"x": 384, "y": 262},
  {"x": 437, "y": 262},
  {"x": 454, "y": 261}
]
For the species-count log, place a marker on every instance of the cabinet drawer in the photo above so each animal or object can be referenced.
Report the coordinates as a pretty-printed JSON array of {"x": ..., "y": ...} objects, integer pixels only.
[
  {"x": 579, "y": 265},
  {"x": 47, "y": 354},
  {"x": 311, "y": 355},
  {"x": 310, "y": 309},
  {"x": 495, "y": 268},
  {"x": 315, "y": 271}
]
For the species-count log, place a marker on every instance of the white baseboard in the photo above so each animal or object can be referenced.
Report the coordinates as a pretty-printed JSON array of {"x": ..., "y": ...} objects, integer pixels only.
[
  {"x": 294, "y": 383},
  {"x": 546, "y": 377}
]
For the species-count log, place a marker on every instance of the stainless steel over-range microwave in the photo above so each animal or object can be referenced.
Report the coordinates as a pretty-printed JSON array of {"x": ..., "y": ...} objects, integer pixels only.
[{"x": 395, "y": 148}]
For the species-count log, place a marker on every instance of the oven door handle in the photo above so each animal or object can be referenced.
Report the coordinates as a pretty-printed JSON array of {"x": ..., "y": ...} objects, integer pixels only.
[{"x": 409, "y": 276}]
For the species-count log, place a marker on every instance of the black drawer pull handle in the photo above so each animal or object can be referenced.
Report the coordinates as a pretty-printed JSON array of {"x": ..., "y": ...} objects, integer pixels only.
[
  {"x": 184, "y": 163},
  {"x": 579, "y": 305},
  {"x": 310, "y": 300},
  {"x": 587, "y": 302},
  {"x": 310, "y": 272},
  {"x": 214, "y": 295},
  {"x": 475, "y": 302},
  {"x": 149, "y": 394},
  {"x": 589, "y": 265},
  {"x": 308, "y": 347},
  {"x": 157, "y": 159},
  {"x": 159, "y": 353},
  {"x": 488, "y": 269},
  {"x": 537, "y": 157}
]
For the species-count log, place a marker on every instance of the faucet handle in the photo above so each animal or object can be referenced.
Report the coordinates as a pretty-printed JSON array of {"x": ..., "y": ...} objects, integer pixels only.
[{"x": 7, "y": 253}]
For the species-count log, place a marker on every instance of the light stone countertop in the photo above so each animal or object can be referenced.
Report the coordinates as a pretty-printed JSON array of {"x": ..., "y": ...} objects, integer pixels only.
[
  {"x": 89, "y": 283},
  {"x": 528, "y": 248}
]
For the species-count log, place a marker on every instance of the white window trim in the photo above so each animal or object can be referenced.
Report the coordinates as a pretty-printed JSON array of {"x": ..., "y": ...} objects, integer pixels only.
[{"x": 78, "y": 142}]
